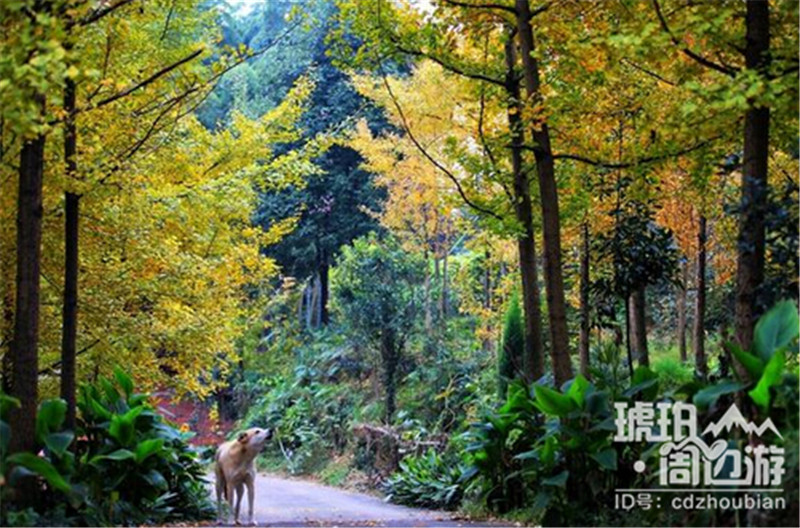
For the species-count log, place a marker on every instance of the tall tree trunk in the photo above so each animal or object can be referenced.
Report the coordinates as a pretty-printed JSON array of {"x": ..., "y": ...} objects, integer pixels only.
[
  {"x": 532, "y": 361},
  {"x": 324, "y": 291},
  {"x": 487, "y": 295},
  {"x": 584, "y": 291},
  {"x": 548, "y": 190},
  {"x": 639, "y": 326},
  {"x": 427, "y": 294},
  {"x": 70, "y": 305},
  {"x": 390, "y": 357},
  {"x": 7, "y": 271},
  {"x": 698, "y": 339},
  {"x": 25, "y": 348},
  {"x": 680, "y": 306},
  {"x": 628, "y": 345},
  {"x": 751, "y": 246},
  {"x": 443, "y": 301}
]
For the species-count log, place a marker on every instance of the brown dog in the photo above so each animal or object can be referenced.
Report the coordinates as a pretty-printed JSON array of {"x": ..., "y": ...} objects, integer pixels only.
[{"x": 235, "y": 468}]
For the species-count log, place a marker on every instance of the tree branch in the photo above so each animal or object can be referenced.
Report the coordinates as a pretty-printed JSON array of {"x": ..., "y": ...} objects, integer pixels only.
[
  {"x": 502, "y": 7},
  {"x": 731, "y": 72},
  {"x": 160, "y": 73},
  {"x": 430, "y": 158},
  {"x": 99, "y": 13},
  {"x": 625, "y": 165}
]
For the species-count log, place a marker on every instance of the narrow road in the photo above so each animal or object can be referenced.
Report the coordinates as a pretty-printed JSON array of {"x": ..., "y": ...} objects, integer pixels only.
[{"x": 283, "y": 502}]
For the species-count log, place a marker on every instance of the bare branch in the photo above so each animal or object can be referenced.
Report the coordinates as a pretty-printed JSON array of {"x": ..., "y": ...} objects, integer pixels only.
[
  {"x": 731, "y": 72},
  {"x": 97, "y": 14},
  {"x": 430, "y": 158},
  {"x": 624, "y": 165}
]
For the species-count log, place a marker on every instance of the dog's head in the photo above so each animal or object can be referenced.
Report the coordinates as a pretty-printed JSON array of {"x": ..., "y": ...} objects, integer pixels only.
[{"x": 255, "y": 438}]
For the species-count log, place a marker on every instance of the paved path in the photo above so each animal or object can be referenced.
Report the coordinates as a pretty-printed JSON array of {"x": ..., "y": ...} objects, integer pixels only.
[{"x": 283, "y": 502}]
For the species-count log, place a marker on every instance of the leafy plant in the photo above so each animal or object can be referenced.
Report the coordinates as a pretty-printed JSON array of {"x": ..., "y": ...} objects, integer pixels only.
[
  {"x": 428, "y": 481},
  {"x": 123, "y": 464}
]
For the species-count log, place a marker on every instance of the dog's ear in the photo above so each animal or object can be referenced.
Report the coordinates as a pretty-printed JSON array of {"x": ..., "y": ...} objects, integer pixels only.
[{"x": 243, "y": 437}]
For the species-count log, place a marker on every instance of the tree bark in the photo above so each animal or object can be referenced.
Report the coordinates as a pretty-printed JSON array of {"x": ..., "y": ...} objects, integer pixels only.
[
  {"x": 698, "y": 338},
  {"x": 680, "y": 306},
  {"x": 8, "y": 315},
  {"x": 390, "y": 357},
  {"x": 324, "y": 291},
  {"x": 71, "y": 240},
  {"x": 427, "y": 294},
  {"x": 554, "y": 281},
  {"x": 444, "y": 294},
  {"x": 487, "y": 295},
  {"x": 25, "y": 348},
  {"x": 584, "y": 293},
  {"x": 639, "y": 326},
  {"x": 533, "y": 367},
  {"x": 751, "y": 246}
]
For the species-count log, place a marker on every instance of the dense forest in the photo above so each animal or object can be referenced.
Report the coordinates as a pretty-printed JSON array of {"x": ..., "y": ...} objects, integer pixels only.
[{"x": 432, "y": 245}]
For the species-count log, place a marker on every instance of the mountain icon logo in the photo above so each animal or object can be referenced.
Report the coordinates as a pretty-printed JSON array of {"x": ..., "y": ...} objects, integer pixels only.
[{"x": 733, "y": 418}]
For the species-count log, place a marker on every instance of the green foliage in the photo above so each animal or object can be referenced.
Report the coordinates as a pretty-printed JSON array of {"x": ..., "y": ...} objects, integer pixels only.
[
  {"x": 512, "y": 346},
  {"x": 123, "y": 464},
  {"x": 774, "y": 333},
  {"x": 426, "y": 481},
  {"x": 376, "y": 288},
  {"x": 309, "y": 412}
]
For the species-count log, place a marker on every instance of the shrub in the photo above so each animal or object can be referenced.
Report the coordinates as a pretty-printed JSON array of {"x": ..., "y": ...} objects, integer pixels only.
[
  {"x": 124, "y": 463},
  {"x": 427, "y": 481},
  {"x": 512, "y": 348}
]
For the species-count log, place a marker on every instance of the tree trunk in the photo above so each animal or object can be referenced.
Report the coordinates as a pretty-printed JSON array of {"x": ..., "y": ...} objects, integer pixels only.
[
  {"x": 698, "y": 340},
  {"x": 324, "y": 291},
  {"x": 487, "y": 295},
  {"x": 532, "y": 361},
  {"x": 70, "y": 305},
  {"x": 628, "y": 337},
  {"x": 427, "y": 294},
  {"x": 554, "y": 282},
  {"x": 584, "y": 292},
  {"x": 25, "y": 348},
  {"x": 680, "y": 306},
  {"x": 7, "y": 263},
  {"x": 639, "y": 326},
  {"x": 443, "y": 298},
  {"x": 750, "y": 258},
  {"x": 389, "y": 353}
]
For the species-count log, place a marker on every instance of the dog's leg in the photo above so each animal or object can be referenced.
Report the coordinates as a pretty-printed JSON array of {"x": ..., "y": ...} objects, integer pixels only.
[
  {"x": 239, "y": 495},
  {"x": 251, "y": 495},
  {"x": 220, "y": 487},
  {"x": 229, "y": 489}
]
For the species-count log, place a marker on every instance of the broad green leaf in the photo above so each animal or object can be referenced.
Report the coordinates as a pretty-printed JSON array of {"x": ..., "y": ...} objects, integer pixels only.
[
  {"x": 124, "y": 381},
  {"x": 58, "y": 443},
  {"x": 118, "y": 455},
  {"x": 708, "y": 396},
  {"x": 50, "y": 417},
  {"x": 552, "y": 402},
  {"x": 577, "y": 389},
  {"x": 607, "y": 458},
  {"x": 770, "y": 377},
  {"x": 41, "y": 467},
  {"x": 559, "y": 480},
  {"x": 776, "y": 329},
  {"x": 6, "y": 404},
  {"x": 5, "y": 436},
  {"x": 752, "y": 364},
  {"x": 147, "y": 448},
  {"x": 155, "y": 479}
]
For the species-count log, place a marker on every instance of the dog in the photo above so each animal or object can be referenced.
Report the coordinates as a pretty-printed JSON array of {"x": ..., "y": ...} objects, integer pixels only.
[{"x": 235, "y": 468}]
